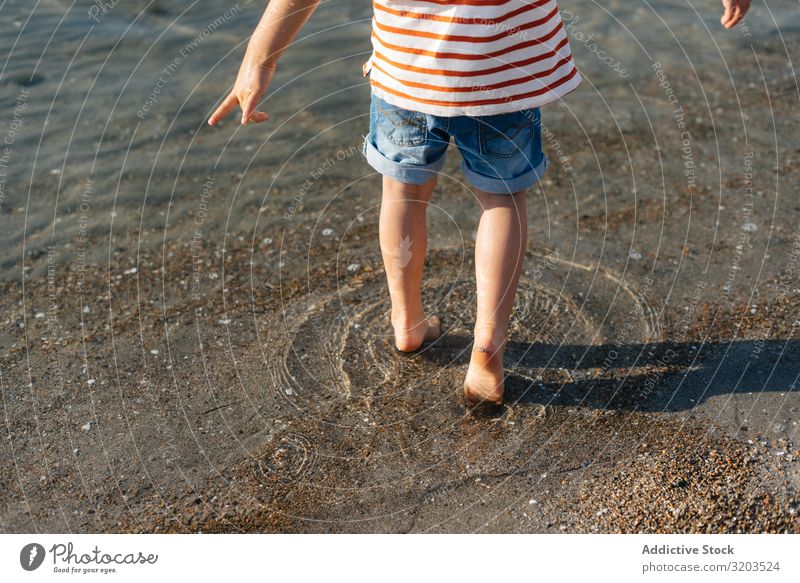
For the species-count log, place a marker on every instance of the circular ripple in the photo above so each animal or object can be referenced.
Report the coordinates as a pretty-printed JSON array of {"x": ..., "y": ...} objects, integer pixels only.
[
  {"x": 290, "y": 457},
  {"x": 337, "y": 346}
]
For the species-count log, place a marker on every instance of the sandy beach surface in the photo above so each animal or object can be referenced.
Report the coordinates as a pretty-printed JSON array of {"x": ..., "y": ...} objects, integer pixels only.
[{"x": 194, "y": 331}]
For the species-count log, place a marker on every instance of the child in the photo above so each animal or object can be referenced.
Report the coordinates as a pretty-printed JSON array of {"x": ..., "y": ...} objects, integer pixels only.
[{"x": 476, "y": 71}]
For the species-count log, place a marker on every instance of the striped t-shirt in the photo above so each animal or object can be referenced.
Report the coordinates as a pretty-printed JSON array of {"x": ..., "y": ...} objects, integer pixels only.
[{"x": 469, "y": 57}]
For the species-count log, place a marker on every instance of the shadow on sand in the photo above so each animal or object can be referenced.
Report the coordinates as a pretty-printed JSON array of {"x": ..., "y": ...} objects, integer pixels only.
[{"x": 655, "y": 377}]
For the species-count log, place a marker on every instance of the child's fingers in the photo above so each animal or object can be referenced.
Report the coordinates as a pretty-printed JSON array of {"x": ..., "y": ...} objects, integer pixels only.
[
  {"x": 737, "y": 16},
  {"x": 734, "y": 12},
  {"x": 223, "y": 110},
  {"x": 259, "y": 116},
  {"x": 727, "y": 15},
  {"x": 744, "y": 6},
  {"x": 249, "y": 105}
]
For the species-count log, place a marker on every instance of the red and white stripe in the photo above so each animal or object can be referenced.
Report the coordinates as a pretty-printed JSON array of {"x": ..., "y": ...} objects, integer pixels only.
[{"x": 469, "y": 57}]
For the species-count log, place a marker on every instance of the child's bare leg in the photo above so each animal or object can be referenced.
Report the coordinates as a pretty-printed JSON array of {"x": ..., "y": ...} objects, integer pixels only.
[
  {"x": 499, "y": 253},
  {"x": 404, "y": 242}
]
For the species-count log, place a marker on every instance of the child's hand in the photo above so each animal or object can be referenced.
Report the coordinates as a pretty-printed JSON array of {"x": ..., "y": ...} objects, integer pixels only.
[
  {"x": 251, "y": 85},
  {"x": 734, "y": 12},
  {"x": 280, "y": 23}
]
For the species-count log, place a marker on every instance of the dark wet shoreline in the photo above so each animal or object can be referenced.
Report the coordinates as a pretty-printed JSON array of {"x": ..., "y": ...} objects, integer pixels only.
[
  {"x": 195, "y": 330},
  {"x": 386, "y": 445}
]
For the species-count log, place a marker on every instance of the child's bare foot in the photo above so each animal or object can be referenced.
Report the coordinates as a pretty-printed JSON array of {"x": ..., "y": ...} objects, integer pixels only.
[
  {"x": 409, "y": 334},
  {"x": 484, "y": 381}
]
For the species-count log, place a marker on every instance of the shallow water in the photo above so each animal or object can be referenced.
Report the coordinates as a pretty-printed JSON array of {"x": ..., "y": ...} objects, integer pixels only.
[{"x": 210, "y": 302}]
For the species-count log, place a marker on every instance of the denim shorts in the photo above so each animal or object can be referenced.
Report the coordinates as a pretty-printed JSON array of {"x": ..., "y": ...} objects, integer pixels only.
[{"x": 500, "y": 154}]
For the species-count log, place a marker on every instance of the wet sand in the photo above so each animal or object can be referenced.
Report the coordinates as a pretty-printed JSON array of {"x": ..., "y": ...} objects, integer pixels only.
[{"x": 195, "y": 330}]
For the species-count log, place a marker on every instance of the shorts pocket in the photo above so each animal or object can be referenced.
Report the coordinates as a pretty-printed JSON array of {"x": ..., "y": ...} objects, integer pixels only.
[
  {"x": 506, "y": 135},
  {"x": 400, "y": 126}
]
